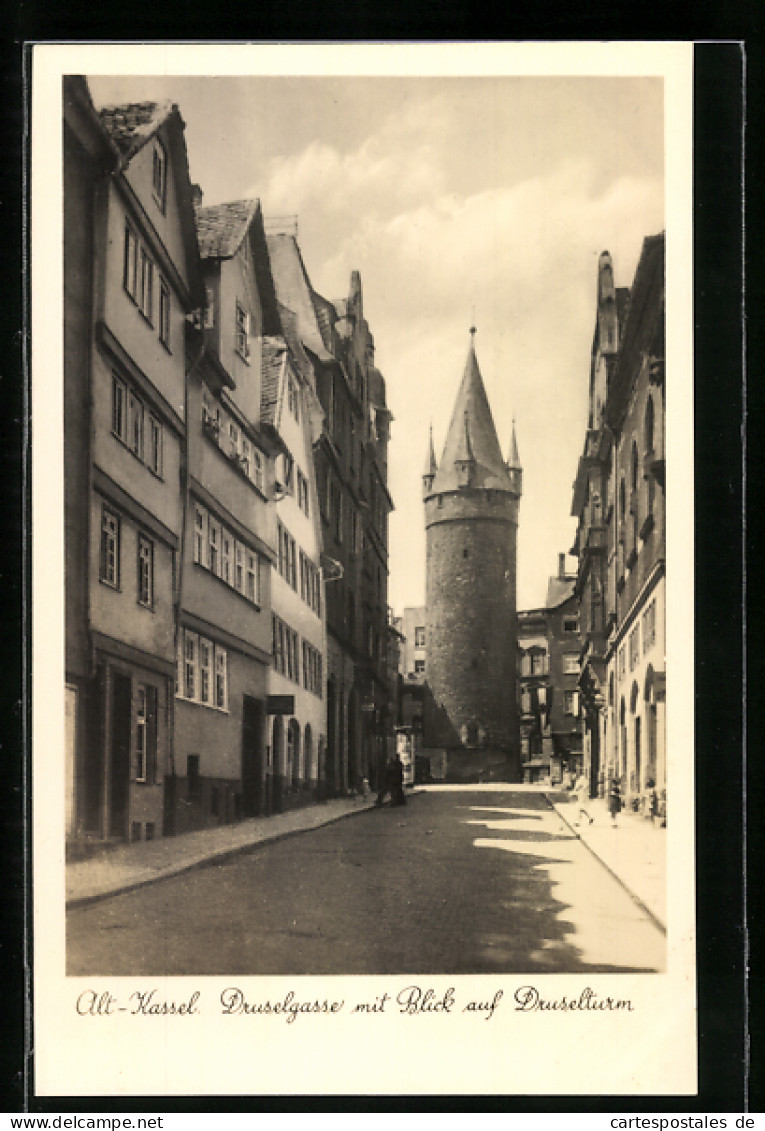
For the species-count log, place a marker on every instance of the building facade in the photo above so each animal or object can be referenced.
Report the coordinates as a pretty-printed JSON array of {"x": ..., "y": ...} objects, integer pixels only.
[
  {"x": 471, "y": 502},
  {"x": 548, "y": 671},
  {"x": 124, "y": 378},
  {"x": 620, "y": 541},
  {"x": 350, "y": 460}
]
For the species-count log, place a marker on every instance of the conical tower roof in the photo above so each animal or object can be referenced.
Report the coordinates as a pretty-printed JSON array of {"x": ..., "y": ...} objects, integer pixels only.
[{"x": 472, "y": 436}]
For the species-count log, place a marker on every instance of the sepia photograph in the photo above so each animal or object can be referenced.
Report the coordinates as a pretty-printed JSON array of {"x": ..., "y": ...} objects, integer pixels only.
[{"x": 365, "y": 474}]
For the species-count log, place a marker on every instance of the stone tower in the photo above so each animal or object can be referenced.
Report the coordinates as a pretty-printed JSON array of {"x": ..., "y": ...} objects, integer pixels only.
[{"x": 471, "y": 518}]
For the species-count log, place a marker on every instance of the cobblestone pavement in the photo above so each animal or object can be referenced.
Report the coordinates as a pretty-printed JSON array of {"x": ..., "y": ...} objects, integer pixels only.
[{"x": 461, "y": 880}]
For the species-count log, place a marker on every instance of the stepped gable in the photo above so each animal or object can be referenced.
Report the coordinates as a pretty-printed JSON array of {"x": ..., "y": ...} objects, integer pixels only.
[
  {"x": 222, "y": 227},
  {"x": 472, "y": 436}
]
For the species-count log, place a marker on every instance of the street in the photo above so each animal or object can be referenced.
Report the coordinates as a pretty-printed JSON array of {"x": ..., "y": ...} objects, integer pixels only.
[{"x": 463, "y": 880}]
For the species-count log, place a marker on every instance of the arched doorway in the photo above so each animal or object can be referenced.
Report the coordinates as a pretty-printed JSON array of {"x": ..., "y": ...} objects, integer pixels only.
[{"x": 277, "y": 763}]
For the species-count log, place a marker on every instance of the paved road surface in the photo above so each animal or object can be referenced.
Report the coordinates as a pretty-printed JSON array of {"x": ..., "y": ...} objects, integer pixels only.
[{"x": 463, "y": 880}]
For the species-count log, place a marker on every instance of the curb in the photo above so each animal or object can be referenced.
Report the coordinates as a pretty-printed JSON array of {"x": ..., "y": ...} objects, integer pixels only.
[
  {"x": 635, "y": 898},
  {"x": 217, "y": 857}
]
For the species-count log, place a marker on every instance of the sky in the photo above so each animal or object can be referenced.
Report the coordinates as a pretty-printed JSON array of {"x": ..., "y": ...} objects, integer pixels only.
[{"x": 462, "y": 201}]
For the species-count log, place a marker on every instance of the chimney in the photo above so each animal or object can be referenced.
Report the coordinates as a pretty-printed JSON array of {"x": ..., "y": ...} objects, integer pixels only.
[
  {"x": 561, "y": 566},
  {"x": 196, "y": 196}
]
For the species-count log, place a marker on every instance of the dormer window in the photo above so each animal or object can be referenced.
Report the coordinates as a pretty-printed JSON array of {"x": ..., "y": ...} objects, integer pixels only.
[{"x": 159, "y": 174}]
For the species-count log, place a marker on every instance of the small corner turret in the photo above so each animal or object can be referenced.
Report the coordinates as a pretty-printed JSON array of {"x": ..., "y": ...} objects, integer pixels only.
[
  {"x": 431, "y": 467},
  {"x": 514, "y": 469}
]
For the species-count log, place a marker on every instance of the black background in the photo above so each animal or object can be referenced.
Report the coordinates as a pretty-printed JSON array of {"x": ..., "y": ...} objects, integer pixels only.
[{"x": 727, "y": 411}]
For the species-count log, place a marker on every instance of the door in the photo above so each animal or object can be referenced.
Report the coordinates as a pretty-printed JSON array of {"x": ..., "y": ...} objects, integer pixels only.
[
  {"x": 119, "y": 769},
  {"x": 252, "y": 756}
]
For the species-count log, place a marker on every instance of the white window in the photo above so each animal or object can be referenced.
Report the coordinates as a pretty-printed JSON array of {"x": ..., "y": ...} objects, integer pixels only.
[
  {"x": 110, "y": 548},
  {"x": 221, "y": 678},
  {"x": 155, "y": 445},
  {"x": 119, "y": 409},
  {"x": 257, "y": 469},
  {"x": 213, "y": 547},
  {"x": 252, "y": 588},
  {"x": 145, "y": 571},
  {"x": 130, "y": 263},
  {"x": 205, "y": 671},
  {"x": 649, "y": 626},
  {"x": 571, "y": 702},
  {"x": 419, "y": 637},
  {"x": 227, "y": 552},
  {"x": 239, "y": 557},
  {"x": 146, "y": 294},
  {"x": 241, "y": 332},
  {"x": 571, "y": 664},
  {"x": 164, "y": 313},
  {"x": 191, "y": 659},
  {"x": 634, "y": 643},
  {"x": 159, "y": 173},
  {"x": 135, "y": 426},
  {"x": 200, "y": 535}
]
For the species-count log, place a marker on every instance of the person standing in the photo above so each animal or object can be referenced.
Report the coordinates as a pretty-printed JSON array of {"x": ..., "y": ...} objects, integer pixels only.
[{"x": 614, "y": 799}]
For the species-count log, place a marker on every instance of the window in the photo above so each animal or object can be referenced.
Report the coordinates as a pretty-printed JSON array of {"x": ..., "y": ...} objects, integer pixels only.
[
  {"x": 146, "y": 293},
  {"x": 241, "y": 332},
  {"x": 135, "y": 426},
  {"x": 221, "y": 679},
  {"x": 213, "y": 547},
  {"x": 257, "y": 469},
  {"x": 110, "y": 548},
  {"x": 570, "y": 624},
  {"x": 226, "y": 560},
  {"x": 302, "y": 492},
  {"x": 130, "y": 263},
  {"x": 164, "y": 313},
  {"x": 205, "y": 671},
  {"x": 419, "y": 637},
  {"x": 145, "y": 571},
  {"x": 293, "y": 398},
  {"x": 155, "y": 446},
  {"x": 525, "y": 664},
  {"x": 146, "y": 736},
  {"x": 119, "y": 409},
  {"x": 190, "y": 654},
  {"x": 252, "y": 587},
  {"x": 233, "y": 433},
  {"x": 634, "y": 643},
  {"x": 571, "y": 702},
  {"x": 649, "y": 626},
  {"x": 200, "y": 535},
  {"x": 159, "y": 174},
  {"x": 621, "y": 663},
  {"x": 419, "y": 667},
  {"x": 538, "y": 663},
  {"x": 239, "y": 552},
  {"x": 571, "y": 664}
]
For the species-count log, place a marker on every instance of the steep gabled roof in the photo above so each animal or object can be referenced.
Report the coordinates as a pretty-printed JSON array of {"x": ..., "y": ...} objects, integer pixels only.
[
  {"x": 221, "y": 228},
  {"x": 472, "y": 430},
  {"x": 293, "y": 290},
  {"x": 559, "y": 590},
  {"x": 274, "y": 356},
  {"x": 130, "y": 126}
]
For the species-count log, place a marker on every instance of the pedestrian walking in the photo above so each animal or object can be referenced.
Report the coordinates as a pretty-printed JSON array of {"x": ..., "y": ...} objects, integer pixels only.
[
  {"x": 393, "y": 783},
  {"x": 582, "y": 795},
  {"x": 614, "y": 799}
]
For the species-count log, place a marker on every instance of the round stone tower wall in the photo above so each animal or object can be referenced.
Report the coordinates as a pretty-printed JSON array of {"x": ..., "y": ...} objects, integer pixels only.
[{"x": 471, "y": 632}]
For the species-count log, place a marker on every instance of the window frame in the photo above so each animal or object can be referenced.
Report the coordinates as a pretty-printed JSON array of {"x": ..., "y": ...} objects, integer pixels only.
[
  {"x": 111, "y": 538},
  {"x": 145, "y": 571},
  {"x": 165, "y": 308},
  {"x": 159, "y": 174},
  {"x": 119, "y": 409},
  {"x": 156, "y": 445}
]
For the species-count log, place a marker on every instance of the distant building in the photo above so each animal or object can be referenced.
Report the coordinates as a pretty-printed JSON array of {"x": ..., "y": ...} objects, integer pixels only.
[
  {"x": 471, "y": 502},
  {"x": 413, "y": 667},
  {"x": 351, "y": 473},
  {"x": 548, "y": 662},
  {"x": 620, "y": 542}
]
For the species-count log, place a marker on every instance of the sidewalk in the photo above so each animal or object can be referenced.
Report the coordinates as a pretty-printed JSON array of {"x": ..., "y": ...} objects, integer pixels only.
[
  {"x": 634, "y": 852},
  {"x": 133, "y": 865}
]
